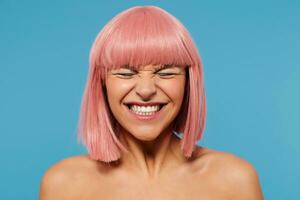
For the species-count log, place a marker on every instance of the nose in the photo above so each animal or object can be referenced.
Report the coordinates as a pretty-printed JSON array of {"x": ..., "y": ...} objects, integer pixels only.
[{"x": 145, "y": 88}]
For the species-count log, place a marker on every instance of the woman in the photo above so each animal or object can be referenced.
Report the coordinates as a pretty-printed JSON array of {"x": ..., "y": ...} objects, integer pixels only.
[{"x": 142, "y": 113}]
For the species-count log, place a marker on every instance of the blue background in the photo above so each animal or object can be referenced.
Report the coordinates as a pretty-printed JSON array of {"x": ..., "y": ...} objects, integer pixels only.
[{"x": 250, "y": 51}]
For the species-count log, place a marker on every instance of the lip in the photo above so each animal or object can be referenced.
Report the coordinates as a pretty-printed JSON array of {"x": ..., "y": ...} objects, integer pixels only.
[
  {"x": 145, "y": 103},
  {"x": 155, "y": 116}
]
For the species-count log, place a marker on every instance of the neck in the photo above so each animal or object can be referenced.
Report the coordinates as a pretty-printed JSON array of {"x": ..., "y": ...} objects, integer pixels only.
[{"x": 152, "y": 158}]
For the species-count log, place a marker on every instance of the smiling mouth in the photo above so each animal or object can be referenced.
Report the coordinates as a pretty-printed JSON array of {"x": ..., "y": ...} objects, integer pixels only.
[
  {"x": 145, "y": 110},
  {"x": 150, "y": 112}
]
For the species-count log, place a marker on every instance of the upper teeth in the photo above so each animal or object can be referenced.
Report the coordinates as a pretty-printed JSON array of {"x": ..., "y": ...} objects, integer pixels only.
[{"x": 144, "y": 108}]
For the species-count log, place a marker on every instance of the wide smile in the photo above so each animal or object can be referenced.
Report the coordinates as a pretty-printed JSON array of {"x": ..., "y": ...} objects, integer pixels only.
[{"x": 149, "y": 112}]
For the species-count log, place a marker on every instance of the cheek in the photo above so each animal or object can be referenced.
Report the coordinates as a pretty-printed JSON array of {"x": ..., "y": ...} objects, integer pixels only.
[
  {"x": 175, "y": 90},
  {"x": 116, "y": 90}
]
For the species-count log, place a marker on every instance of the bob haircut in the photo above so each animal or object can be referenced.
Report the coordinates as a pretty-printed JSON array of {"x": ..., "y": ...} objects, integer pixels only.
[{"x": 136, "y": 37}]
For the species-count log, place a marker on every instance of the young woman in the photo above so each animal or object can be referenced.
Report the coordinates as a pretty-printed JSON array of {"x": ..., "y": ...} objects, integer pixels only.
[{"x": 142, "y": 113}]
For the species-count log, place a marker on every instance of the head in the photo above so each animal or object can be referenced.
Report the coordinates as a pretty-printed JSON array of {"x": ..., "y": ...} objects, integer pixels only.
[{"x": 146, "y": 42}]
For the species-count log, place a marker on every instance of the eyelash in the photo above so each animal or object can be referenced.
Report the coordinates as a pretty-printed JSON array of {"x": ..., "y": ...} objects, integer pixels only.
[
  {"x": 125, "y": 74},
  {"x": 166, "y": 74}
]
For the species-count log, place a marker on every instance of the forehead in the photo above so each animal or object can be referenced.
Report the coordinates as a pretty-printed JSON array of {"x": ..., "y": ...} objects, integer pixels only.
[{"x": 150, "y": 67}]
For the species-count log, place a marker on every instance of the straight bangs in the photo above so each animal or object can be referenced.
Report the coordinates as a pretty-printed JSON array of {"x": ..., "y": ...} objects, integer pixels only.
[{"x": 147, "y": 36}]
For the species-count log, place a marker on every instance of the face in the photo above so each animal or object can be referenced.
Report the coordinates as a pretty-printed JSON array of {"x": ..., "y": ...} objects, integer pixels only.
[{"x": 145, "y": 102}]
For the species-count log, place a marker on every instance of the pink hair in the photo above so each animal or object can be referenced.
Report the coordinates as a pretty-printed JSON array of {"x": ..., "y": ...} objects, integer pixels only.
[{"x": 136, "y": 37}]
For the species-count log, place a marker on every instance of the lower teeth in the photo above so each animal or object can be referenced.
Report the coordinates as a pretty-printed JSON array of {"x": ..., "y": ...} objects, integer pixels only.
[{"x": 141, "y": 113}]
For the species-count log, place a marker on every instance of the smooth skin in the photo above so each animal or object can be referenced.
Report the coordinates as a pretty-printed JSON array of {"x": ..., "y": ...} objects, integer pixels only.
[{"x": 155, "y": 167}]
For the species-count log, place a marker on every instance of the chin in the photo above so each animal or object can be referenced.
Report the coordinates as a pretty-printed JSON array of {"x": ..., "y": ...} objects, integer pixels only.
[
  {"x": 146, "y": 138},
  {"x": 145, "y": 135}
]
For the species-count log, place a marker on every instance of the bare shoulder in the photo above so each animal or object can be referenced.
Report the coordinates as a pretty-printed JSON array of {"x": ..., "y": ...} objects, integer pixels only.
[
  {"x": 238, "y": 175},
  {"x": 64, "y": 179},
  {"x": 226, "y": 162}
]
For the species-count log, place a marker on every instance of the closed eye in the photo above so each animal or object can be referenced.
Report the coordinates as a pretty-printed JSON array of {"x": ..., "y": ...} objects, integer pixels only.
[
  {"x": 166, "y": 75},
  {"x": 124, "y": 75}
]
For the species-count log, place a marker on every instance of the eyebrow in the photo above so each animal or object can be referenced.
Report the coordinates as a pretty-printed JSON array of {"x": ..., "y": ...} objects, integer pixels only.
[
  {"x": 166, "y": 66},
  {"x": 161, "y": 67}
]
